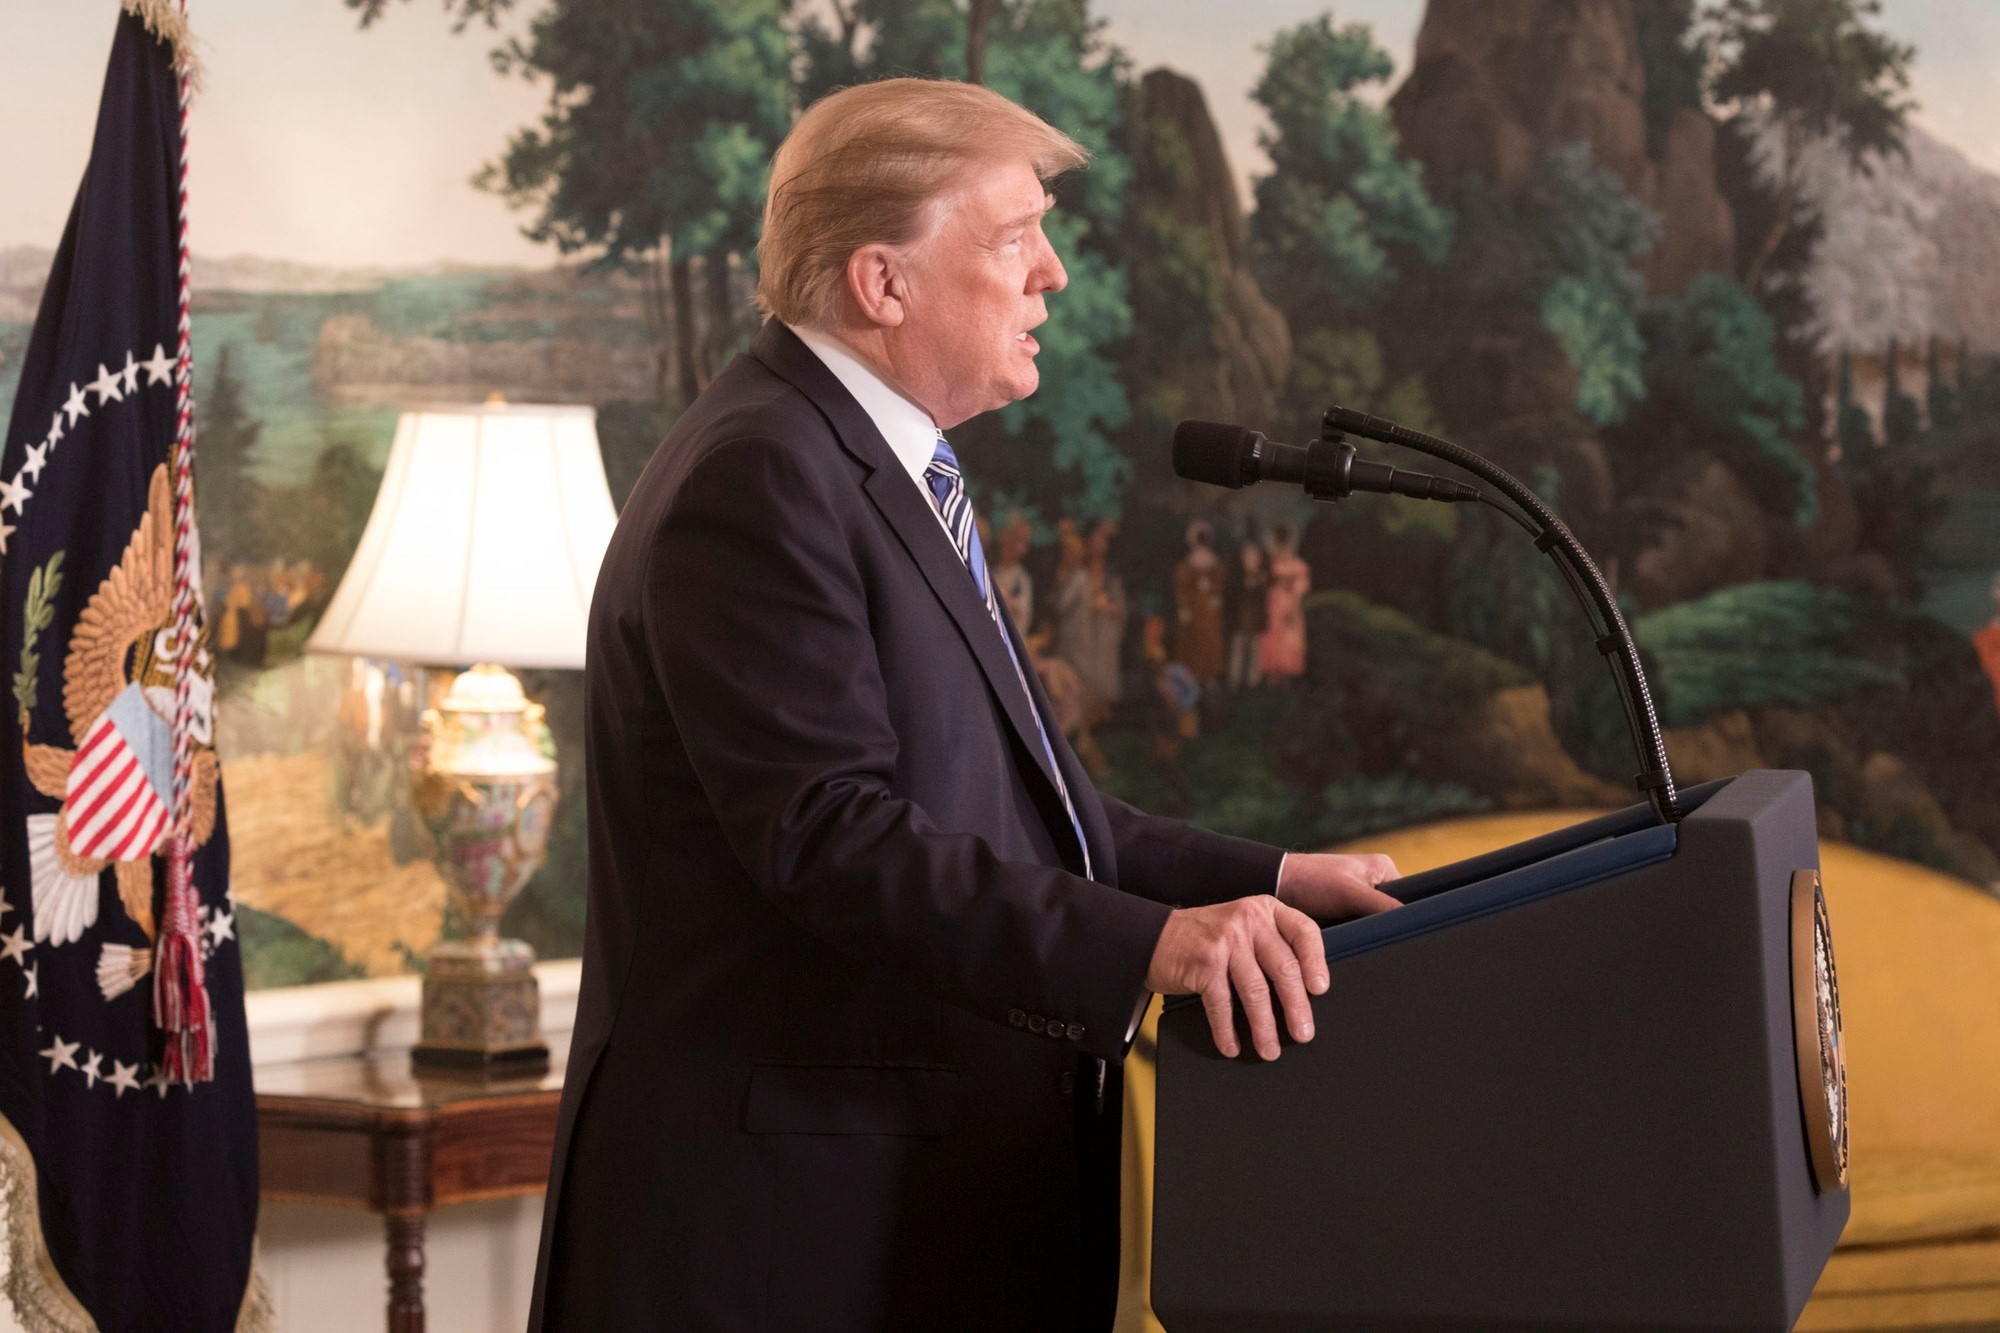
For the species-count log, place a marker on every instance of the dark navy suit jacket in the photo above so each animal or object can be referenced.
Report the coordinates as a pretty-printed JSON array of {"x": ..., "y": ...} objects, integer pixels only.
[{"x": 835, "y": 1064}]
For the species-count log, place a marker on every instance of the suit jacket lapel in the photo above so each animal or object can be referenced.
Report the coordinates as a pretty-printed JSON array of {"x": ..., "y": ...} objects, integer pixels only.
[
  {"x": 915, "y": 524},
  {"x": 1082, "y": 791}
]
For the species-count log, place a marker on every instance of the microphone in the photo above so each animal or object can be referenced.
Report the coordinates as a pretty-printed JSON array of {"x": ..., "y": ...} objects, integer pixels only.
[{"x": 1235, "y": 456}]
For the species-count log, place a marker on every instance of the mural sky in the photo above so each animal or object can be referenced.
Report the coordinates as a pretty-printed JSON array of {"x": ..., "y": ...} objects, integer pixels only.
[{"x": 325, "y": 145}]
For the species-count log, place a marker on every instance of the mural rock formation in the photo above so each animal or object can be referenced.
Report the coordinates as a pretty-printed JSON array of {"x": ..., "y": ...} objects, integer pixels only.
[
  {"x": 1496, "y": 90},
  {"x": 1494, "y": 86},
  {"x": 1184, "y": 183}
]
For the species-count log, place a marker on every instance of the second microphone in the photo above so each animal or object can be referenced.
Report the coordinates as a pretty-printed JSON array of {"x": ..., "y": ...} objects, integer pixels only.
[{"x": 1235, "y": 456}]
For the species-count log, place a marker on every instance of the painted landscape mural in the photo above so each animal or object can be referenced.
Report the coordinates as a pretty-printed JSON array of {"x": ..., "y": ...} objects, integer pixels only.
[{"x": 1694, "y": 271}]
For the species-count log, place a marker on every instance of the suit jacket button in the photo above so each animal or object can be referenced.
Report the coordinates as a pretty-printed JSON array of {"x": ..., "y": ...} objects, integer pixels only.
[
  {"x": 1074, "y": 1032},
  {"x": 1066, "y": 1083},
  {"x": 1056, "y": 1028},
  {"x": 1016, "y": 1017},
  {"x": 1036, "y": 1022}
]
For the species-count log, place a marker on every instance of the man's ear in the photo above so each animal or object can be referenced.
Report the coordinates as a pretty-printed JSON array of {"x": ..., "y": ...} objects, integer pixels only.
[{"x": 877, "y": 281}]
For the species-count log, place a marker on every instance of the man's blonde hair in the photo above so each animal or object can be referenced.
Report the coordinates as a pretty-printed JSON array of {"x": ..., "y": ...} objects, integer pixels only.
[{"x": 864, "y": 165}]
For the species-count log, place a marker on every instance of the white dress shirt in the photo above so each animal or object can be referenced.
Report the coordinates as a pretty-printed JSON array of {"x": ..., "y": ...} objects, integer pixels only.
[{"x": 911, "y": 433}]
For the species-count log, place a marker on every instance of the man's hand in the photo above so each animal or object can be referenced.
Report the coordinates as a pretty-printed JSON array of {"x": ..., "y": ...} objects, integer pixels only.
[
  {"x": 1328, "y": 886},
  {"x": 1255, "y": 945}
]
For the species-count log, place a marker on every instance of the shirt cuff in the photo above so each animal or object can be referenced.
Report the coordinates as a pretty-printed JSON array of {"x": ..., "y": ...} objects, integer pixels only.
[
  {"x": 1138, "y": 1016},
  {"x": 1280, "y": 877}
]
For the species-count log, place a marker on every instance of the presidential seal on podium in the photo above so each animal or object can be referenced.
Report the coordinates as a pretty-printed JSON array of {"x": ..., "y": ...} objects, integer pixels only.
[{"x": 1816, "y": 1032}]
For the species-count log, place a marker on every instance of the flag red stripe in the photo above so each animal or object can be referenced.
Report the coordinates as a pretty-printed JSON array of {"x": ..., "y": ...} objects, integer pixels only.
[
  {"x": 118, "y": 830},
  {"x": 88, "y": 835},
  {"x": 83, "y": 818},
  {"x": 93, "y": 840},
  {"x": 146, "y": 836},
  {"x": 93, "y": 756},
  {"x": 95, "y": 739},
  {"x": 98, "y": 832}
]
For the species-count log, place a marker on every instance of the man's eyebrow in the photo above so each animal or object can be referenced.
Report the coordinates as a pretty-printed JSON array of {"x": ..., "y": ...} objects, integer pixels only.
[{"x": 1048, "y": 202}]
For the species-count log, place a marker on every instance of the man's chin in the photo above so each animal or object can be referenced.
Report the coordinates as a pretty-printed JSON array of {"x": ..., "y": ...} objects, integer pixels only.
[{"x": 1021, "y": 384}]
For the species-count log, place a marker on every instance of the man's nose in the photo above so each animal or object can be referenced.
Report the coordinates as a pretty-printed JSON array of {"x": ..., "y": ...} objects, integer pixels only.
[{"x": 1048, "y": 275}]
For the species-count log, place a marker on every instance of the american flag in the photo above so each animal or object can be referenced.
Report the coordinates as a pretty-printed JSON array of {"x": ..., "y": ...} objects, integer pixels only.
[{"x": 135, "y": 1182}]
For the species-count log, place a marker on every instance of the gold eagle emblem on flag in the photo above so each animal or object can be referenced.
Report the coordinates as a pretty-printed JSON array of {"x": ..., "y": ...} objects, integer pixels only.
[{"x": 116, "y": 783}]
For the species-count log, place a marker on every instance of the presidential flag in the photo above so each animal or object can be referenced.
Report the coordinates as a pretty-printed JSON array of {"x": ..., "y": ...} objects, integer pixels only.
[{"x": 128, "y": 1153}]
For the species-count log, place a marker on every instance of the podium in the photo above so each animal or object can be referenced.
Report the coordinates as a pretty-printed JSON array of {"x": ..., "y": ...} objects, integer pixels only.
[{"x": 1591, "y": 1081}]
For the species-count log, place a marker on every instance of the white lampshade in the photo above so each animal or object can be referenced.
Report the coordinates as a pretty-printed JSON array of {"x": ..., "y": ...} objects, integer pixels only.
[{"x": 484, "y": 542}]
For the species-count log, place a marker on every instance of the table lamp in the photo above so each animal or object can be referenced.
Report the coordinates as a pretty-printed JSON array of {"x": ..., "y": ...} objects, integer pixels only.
[{"x": 482, "y": 549}]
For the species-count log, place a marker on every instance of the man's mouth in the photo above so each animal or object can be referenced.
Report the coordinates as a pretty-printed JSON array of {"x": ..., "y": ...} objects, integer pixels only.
[{"x": 1027, "y": 340}]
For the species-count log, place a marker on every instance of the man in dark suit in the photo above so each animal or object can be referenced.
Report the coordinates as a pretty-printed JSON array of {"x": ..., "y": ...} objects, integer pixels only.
[{"x": 863, "y": 939}]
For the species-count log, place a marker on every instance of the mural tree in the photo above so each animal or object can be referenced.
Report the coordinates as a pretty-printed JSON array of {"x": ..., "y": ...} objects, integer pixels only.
[
  {"x": 1580, "y": 236},
  {"x": 1901, "y": 418},
  {"x": 1339, "y": 204},
  {"x": 659, "y": 130},
  {"x": 1340, "y": 211},
  {"x": 660, "y": 127},
  {"x": 1675, "y": 53},
  {"x": 230, "y": 499},
  {"x": 1713, "y": 382},
  {"x": 1816, "y": 71},
  {"x": 1854, "y": 429},
  {"x": 1942, "y": 400}
]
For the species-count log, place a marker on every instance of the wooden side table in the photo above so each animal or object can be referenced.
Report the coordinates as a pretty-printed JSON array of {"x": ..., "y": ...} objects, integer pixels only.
[{"x": 364, "y": 1132}]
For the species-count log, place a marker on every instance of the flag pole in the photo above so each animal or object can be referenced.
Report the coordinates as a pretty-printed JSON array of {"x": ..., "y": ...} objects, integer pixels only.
[{"x": 180, "y": 991}]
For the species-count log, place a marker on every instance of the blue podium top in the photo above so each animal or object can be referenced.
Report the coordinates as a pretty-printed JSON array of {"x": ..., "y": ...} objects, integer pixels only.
[{"x": 1570, "y": 858}]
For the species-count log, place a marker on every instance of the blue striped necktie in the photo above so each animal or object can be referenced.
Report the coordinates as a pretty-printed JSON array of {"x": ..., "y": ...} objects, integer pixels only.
[{"x": 947, "y": 488}]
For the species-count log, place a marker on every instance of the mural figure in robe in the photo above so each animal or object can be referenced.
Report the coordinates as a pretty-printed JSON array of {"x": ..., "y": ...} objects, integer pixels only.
[
  {"x": 1986, "y": 642},
  {"x": 1247, "y": 608},
  {"x": 1281, "y": 652},
  {"x": 1198, "y": 580},
  {"x": 1011, "y": 578},
  {"x": 1089, "y": 615}
]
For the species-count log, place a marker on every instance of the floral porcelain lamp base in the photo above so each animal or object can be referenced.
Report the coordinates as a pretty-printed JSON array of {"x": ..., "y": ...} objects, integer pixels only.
[{"x": 486, "y": 793}]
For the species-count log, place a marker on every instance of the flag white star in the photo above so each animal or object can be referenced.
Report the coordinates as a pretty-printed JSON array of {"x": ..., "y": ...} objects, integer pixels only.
[
  {"x": 5, "y": 533},
  {"x": 123, "y": 1077},
  {"x": 222, "y": 926},
  {"x": 75, "y": 405},
  {"x": 16, "y": 946},
  {"x": 55, "y": 428},
  {"x": 92, "y": 1069},
  {"x": 157, "y": 1081},
  {"x": 160, "y": 370},
  {"x": 106, "y": 385},
  {"x": 61, "y": 1053},
  {"x": 5, "y": 906},
  {"x": 38, "y": 458},
  {"x": 13, "y": 495},
  {"x": 33, "y": 978},
  {"x": 130, "y": 371}
]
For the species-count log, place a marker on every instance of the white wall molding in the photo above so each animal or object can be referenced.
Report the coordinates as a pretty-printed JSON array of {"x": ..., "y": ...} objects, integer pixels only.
[{"x": 357, "y": 1017}]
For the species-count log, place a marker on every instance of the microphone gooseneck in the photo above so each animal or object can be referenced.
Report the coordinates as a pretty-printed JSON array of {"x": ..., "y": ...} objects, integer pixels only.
[{"x": 1586, "y": 580}]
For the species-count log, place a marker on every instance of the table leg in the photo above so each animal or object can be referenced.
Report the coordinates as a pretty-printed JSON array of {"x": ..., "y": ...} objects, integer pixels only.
[{"x": 406, "y": 1270}]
